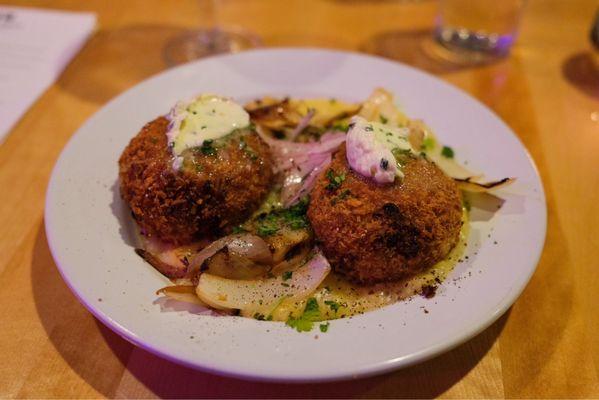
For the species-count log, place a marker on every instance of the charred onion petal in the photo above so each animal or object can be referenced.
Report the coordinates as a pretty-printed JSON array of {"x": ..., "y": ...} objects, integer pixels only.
[
  {"x": 276, "y": 115},
  {"x": 292, "y": 263},
  {"x": 181, "y": 293},
  {"x": 470, "y": 185},
  {"x": 246, "y": 244},
  {"x": 380, "y": 106},
  {"x": 251, "y": 247},
  {"x": 164, "y": 263},
  {"x": 230, "y": 265},
  {"x": 285, "y": 240}
]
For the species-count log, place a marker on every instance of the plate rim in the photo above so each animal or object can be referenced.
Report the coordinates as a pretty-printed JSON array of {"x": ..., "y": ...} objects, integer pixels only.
[{"x": 365, "y": 371}]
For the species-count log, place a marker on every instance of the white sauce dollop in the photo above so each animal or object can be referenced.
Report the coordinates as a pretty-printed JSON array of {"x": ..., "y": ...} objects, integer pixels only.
[
  {"x": 207, "y": 117},
  {"x": 370, "y": 147}
]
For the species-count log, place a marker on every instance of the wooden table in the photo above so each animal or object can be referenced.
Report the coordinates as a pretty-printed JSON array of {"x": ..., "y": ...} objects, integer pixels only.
[{"x": 546, "y": 346}]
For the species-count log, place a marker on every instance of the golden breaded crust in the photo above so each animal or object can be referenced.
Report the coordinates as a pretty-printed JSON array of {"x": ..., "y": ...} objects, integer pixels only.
[
  {"x": 383, "y": 232},
  {"x": 209, "y": 194}
]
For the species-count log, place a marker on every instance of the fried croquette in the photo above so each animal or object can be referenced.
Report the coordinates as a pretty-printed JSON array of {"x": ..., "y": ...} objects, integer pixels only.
[
  {"x": 375, "y": 233},
  {"x": 217, "y": 186}
]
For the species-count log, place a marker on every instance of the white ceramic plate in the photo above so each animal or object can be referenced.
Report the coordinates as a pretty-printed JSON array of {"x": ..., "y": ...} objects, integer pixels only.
[{"x": 88, "y": 226}]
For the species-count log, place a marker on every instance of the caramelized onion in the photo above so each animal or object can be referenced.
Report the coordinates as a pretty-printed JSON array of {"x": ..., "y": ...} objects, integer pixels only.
[
  {"x": 245, "y": 245},
  {"x": 470, "y": 185},
  {"x": 186, "y": 293}
]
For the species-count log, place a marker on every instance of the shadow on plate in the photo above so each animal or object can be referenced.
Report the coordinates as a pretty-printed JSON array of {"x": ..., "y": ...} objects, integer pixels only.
[
  {"x": 127, "y": 228},
  {"x": 114, "y": 60},
  {"x": 428, "y": 379},
  {"x": 582, "y": 72}
]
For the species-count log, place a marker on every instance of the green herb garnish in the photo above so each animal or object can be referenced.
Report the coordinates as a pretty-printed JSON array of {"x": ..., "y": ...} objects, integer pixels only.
[
  {"x": 428, "y": 144},
  {"x": 335, "y": 181},
  {"x": 402, "y": 156},
  {"x": 333, "y": 305},
  {"x": 324, "y": 327},
  {"x": 207, "y": 148},
  {"x": 305, "y": 322},
  {"x": 238, "y": 229},
  {"x": 247, "y": 150},
  {"x": 267, "y": 228},
  {"x": 287, "y": 275},
  {"x": 293, "y": 218},
  {"x": 341, "y": 196},
  {"x": 447, "y": 152},
  {"x": 384, "y": 120},
  {"x": 340, "y": 126}
]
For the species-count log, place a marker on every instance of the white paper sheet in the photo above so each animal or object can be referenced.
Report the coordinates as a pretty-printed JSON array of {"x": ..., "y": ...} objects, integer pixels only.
[{"x": 35, "y": 46}]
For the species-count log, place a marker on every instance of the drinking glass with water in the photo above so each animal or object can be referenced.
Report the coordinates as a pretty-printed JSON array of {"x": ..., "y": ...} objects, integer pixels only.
[{"x": 478, "y": 30}]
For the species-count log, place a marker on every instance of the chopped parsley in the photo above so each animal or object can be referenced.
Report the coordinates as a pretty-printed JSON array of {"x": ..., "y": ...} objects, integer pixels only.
[
  {"x": 293, "y": 218},
  {"x": 402, "y": 156},
  {"x": 384, "y": 120},
  {"x": 447, "y": 152},
  {"x": 287, "y": 275},
  {"x": 335, "y": 181},
  {"x": 428, "y": 144},
  {"x": 305, "y": 322},
  {"x": 341, "y": 196},
  {"x": 238, "y": 229},
  {"x": 207, "y": 147},
  {"x": 340, "y": 126},
  {"x": 333, "y": 305},
  {"x": 267, "y": 228},
  {"x": 368, "y": 128},
  {"x": 324, "y": 327}
]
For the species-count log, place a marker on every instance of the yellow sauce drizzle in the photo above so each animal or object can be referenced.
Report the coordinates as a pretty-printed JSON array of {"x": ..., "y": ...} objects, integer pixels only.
[{"x": 356, "y": 299}]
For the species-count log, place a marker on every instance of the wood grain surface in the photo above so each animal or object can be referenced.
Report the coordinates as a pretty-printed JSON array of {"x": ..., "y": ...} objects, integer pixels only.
[{"x": 547, "y": 344}]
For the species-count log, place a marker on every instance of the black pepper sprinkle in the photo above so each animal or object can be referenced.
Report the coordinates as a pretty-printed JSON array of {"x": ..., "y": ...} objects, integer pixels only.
[{"x": 384, "y": 163}]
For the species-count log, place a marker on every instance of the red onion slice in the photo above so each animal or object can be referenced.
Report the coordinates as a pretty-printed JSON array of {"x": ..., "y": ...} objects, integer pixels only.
[
  {"x": 305, "y": 121},
  {"x": 292, "y": 194},
  {"x": 300, "y": 163}
]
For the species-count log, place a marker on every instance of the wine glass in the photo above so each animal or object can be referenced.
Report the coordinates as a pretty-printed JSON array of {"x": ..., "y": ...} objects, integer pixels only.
[{"x": 209, "y": 41}]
